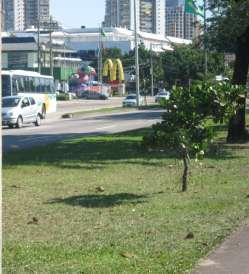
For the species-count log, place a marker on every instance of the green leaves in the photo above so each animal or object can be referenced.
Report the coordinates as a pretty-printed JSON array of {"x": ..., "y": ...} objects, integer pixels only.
[
  {"x": 187, "y": 111},
  {"x": 187, "y": 62}
]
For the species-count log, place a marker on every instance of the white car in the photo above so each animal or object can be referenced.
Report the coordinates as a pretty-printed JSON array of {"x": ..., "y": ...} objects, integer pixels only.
[
  {"x": 19, "y": 110},
  {"x": 131, "y": 100},
  {"x": 162, "y": 95}
]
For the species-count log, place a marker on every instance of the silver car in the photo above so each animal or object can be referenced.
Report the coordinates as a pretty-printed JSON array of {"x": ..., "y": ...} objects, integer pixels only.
[
  {"x": 131, "y": 100},
  {"x": 19, "y": 110},
  {"x": 162, "y": 95}
]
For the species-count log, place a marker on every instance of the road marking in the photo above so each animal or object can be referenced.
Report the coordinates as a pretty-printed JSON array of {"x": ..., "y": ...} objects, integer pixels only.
[{"x": 106, "y": 127}]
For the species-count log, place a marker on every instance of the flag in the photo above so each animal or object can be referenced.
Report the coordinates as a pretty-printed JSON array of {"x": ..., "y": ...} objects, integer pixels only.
[
  {"x": 102, "y": 32},
  {"x": 192, "y": 7}
]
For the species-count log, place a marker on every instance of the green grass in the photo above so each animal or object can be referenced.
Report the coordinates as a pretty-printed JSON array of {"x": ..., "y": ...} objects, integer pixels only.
[{"x": 104, "y": 205}]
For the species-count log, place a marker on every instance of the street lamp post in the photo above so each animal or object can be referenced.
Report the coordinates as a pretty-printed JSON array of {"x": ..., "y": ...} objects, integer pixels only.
[
  {"x": 51, "y": 48},
  {"x": 151, "y": 71},
  {"x": 38, "y": 39},
  {"x": 136, "y": 52}
]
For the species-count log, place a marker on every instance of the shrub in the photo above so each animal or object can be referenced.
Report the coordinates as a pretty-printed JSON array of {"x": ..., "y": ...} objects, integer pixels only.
[{"x": 184, "y": 123}]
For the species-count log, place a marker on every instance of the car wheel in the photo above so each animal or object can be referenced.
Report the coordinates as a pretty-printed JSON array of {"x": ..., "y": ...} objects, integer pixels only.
[
  {"x": 11, "y": 126},
  {"x": 43, "y": 114},
  {"x": 38, "y": 120},
  {"x": 19, "y": 122}
]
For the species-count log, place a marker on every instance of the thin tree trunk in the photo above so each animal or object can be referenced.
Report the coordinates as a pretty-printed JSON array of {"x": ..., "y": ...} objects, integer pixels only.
[
  {"x": 185, "y": 170},
  {"x": 237, "y": 124}
]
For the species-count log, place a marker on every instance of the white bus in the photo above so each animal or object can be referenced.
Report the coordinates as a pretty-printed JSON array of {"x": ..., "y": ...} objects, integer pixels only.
[{"x": 40, "y": 87}]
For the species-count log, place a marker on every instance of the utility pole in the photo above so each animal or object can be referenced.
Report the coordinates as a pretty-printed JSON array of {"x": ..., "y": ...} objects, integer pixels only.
[
  {"x": 136, "y": 52},
  {"x": 100, "y": 63},
  {"x": 151, "y": 71},
  {"x": 51, "y": 48},
  {"x": 38, "y": 38}
]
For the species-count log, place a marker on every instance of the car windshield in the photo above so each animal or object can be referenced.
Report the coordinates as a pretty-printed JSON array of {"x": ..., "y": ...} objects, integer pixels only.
[
  {"x": 131, "y": 97},
  {"x": 10, "y": 102}
]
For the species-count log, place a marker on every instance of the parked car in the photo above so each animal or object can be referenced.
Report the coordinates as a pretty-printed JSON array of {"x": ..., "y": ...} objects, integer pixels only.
[
  {"x": 131, "y": 100},
  {"x": 162, "y": 95},
  {"x": 19, "y": 110}
]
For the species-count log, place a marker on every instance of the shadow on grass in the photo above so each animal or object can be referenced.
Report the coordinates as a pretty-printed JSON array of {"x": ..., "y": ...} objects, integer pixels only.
[
  {"x": 98, "y": 151},
  {"x": 100, "y": 200}
]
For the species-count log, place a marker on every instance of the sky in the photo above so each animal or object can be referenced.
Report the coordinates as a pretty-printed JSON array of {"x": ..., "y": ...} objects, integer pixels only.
[{"x": 77, "y": 13}]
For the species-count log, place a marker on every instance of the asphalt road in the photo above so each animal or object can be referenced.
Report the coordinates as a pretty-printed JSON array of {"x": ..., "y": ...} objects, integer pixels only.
[{"x": 53, "y": 130}]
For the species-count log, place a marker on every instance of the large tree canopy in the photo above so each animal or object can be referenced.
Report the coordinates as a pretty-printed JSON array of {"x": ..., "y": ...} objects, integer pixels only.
[
  {"x": 229, "y": 21},
  {"x": 187, "y": 63},
  {"x": 229, "y": 31}
]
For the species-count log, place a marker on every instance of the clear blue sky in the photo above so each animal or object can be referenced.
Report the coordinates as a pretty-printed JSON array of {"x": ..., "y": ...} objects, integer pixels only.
[{"x": 75, "y": 13}]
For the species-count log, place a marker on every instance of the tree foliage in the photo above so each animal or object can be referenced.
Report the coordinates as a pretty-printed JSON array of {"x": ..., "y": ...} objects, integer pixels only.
[
  {"x": 187, "y": 62},
  {"x": 229, "y": 31},
  {"x": 229, "y": 21}
]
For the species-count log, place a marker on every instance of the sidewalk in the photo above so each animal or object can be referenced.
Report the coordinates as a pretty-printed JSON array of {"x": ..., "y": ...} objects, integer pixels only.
[{"x": 232, "y": 257}]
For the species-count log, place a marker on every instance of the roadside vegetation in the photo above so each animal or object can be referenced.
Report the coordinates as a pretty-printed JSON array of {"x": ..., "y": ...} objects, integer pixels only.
[
  {"x": 109, "y": 204},
  {"x": 105, "y": 205}
]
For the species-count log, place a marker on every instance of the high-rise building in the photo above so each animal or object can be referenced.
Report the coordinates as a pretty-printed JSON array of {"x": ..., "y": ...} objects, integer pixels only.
[
  {"x": 35, "y": 8},
  {"x": 13, "y": 11},
  {"x": 21, "y": 14},
  {"x": 2, "y": 16},
  {"x": 178, "y": 23},
  {"x": 150, "y": 15}
]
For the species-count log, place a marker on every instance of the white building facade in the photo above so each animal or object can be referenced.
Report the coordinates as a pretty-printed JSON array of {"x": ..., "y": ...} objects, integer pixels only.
[
  {"x": 88, "y": 39},
  {"x": 14, "y": 19}
]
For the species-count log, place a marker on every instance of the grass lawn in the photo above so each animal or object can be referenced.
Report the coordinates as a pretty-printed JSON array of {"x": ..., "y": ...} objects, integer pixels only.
[{"x": 103, "y": 205}]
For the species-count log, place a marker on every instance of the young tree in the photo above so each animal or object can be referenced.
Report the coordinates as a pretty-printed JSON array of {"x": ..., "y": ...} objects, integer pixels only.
[{"x": 184, "y": 124}]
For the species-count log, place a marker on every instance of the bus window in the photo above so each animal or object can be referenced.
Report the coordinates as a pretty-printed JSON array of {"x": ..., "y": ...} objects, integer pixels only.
[
  {"x": 52, "y": 89},
  {"x": 6, "y": 87},
  {"x": 26, "y": 83},
  {"x": 42, "y": 88},
  {"x": 47, "y": 87},
  {"x": 37, "y": 84},
  {"x": 32, "y": 84},
  {"x": 20, "y": 82},
  {"x": 15, "y": 88}
]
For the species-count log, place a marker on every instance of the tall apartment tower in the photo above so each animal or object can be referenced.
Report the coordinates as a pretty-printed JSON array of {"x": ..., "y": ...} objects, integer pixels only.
[
  {"x": 33, "y": 8},
  {"x": 120, "y": 13},
  {"x": 178, "y": 23},
  {"x": 150, "y": 15},
  {"x": 13, "y": 12},
  {"x": 21, "y": 14}
]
